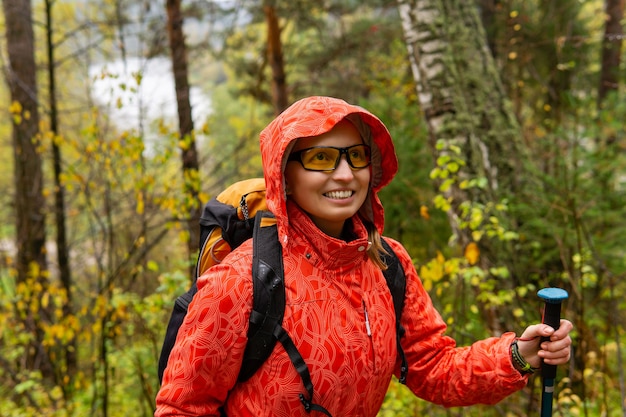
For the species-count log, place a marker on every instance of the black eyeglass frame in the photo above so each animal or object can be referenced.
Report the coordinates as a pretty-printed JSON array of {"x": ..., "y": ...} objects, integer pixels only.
[{"x": 297, "y": 156}]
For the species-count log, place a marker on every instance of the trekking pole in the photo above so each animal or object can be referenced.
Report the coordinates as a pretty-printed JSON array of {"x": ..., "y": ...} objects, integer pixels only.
[{"x": 552, "y": 317}]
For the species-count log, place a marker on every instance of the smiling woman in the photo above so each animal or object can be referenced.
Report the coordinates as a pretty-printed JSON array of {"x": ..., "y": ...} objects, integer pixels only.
[
  {"x": 323, "y": 165},
  {"x": 326, "y": 176}
]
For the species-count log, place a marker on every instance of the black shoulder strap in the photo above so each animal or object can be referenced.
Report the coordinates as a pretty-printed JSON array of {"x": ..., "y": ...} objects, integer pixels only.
[
  {"x": 303, "y": 370},
  {"x": 268, "y": 308},
  {"x": 396, "y": 280},
  {"x": 268, "y": 294},
  {"x": 176, "y": 320}
]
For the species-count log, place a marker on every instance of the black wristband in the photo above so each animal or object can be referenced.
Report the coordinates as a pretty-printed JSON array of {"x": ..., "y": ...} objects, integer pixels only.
[{"x": 524, "y": 367}]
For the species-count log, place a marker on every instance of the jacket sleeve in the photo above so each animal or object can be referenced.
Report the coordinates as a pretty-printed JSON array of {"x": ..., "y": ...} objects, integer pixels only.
[
  {"x": 441, "y": 372},
  {"x": 205, "y": 360}
]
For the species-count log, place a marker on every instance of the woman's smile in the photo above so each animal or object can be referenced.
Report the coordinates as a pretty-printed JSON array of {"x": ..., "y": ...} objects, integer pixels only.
[{"x": 339, "y": 195}]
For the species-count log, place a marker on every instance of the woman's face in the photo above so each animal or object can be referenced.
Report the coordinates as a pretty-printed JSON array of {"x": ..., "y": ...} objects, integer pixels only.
[{"x": 329, "y": 197}]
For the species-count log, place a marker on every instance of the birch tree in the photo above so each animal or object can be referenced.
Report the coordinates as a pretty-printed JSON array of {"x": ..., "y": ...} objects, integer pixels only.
[{"x": 473, "y": 133}]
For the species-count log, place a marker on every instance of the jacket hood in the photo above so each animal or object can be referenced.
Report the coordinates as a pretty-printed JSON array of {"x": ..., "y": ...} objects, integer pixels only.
[{"x": 313, "y": 116}]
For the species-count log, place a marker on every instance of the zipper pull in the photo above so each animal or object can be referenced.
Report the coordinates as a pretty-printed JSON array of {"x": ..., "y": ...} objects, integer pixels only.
[{"x": 367, "y": 320}]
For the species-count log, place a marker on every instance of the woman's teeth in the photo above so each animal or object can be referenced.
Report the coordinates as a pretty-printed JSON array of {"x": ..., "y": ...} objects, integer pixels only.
[{"x": 339, "y": 194}]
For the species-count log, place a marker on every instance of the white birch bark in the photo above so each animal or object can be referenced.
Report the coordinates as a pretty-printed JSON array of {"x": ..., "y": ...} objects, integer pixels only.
[{"x": 460, "y": 94}]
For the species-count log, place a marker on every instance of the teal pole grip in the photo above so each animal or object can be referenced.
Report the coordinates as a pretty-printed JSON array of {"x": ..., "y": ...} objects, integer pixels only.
[{"x": 553, "y": 297}]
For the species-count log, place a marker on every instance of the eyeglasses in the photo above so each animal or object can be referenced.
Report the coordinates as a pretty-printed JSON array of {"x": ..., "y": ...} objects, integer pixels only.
[{"x": 326, "y": 158}]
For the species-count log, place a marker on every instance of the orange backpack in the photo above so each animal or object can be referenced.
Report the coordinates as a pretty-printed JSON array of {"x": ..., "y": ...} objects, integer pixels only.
[{"x": 216, "y": 241}]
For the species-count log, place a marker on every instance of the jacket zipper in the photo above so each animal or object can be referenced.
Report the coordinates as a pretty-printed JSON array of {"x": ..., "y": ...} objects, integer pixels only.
[{"x": 368, "y": 329}]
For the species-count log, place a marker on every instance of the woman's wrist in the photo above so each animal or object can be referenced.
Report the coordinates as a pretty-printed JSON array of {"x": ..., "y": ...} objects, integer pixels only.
[{"x": 519, "y": 362}]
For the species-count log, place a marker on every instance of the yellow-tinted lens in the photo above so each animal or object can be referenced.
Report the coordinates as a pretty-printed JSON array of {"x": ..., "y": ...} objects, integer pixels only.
[
  {"x": 320, "y": 158},
  {"x": 358, "y": 156}
]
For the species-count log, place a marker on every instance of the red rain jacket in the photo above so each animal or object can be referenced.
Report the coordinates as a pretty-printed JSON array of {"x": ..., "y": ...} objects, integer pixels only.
[{"x": 332, "y": 289}]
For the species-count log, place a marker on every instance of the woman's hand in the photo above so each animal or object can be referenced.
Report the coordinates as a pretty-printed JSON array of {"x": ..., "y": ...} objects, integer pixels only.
[{"x": 556, "y": 351}]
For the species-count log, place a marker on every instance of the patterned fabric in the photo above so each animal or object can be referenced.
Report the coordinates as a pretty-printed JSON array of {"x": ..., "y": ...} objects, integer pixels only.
[{"x": 339, "y": 312}]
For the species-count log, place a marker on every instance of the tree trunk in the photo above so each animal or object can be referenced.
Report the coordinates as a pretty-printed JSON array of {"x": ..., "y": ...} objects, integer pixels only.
[
  {"x": 488, "y": 13},
  {"x": 467, "y": 114},
  {"x": 460, "y": 92},
  {"x": 29, "y": 199},
  {"x": 280, "y": 99},
  {"x": 611, "y": 48},
  {"x": 609, "y": 82},
  {"x": 566, "y": 34},
  {"x": 63, "y": 259},
  {"x": 185, "y": 122},
  {"x": 20, "y": 76}
]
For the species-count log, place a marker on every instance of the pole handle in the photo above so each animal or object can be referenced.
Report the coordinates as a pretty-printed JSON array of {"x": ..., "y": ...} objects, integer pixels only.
[{"x": 552, "y": 317}]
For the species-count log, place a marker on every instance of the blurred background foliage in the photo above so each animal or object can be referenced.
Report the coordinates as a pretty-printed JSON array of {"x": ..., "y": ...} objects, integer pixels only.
[{"x": 89, "y": 345}]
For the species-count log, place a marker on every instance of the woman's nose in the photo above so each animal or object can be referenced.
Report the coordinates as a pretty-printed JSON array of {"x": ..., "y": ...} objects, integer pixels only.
[{"x": 343, "y": 170}]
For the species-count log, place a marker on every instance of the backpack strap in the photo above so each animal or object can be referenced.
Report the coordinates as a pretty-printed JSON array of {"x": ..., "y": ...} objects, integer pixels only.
[
  {"x": 302, "y": 368},
  {"x": 268, "y": 294},
  {"x": 176, "y": 320},
  {"x": 268, "y": 308},
  {"x": 396, "y": 281}
]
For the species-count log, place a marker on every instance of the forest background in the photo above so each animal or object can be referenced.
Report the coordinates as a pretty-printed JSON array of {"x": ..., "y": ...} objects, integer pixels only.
[{"x": 122, "y": 117}]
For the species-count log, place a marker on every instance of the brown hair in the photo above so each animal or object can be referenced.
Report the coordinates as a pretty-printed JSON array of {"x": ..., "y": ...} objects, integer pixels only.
[{"x": 376, "y": 249}]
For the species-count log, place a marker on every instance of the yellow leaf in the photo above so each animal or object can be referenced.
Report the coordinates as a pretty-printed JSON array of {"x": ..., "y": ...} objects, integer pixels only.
[
  {"x": 45, "y": 300},
  {"x": 424, "y": 212},
  {"x": 472, "y": 253},
  {"x": 16, "y": 107},
  {"x": 440, "y": 257},
  {"x": 477, "y": 235},
  {"x": 140, "y": 204},
  {"x": 153, "y": 266}
]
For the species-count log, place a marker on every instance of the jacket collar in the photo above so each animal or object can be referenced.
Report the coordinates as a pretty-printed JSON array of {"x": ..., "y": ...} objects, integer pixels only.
[{"x": 321, "y": 250}]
